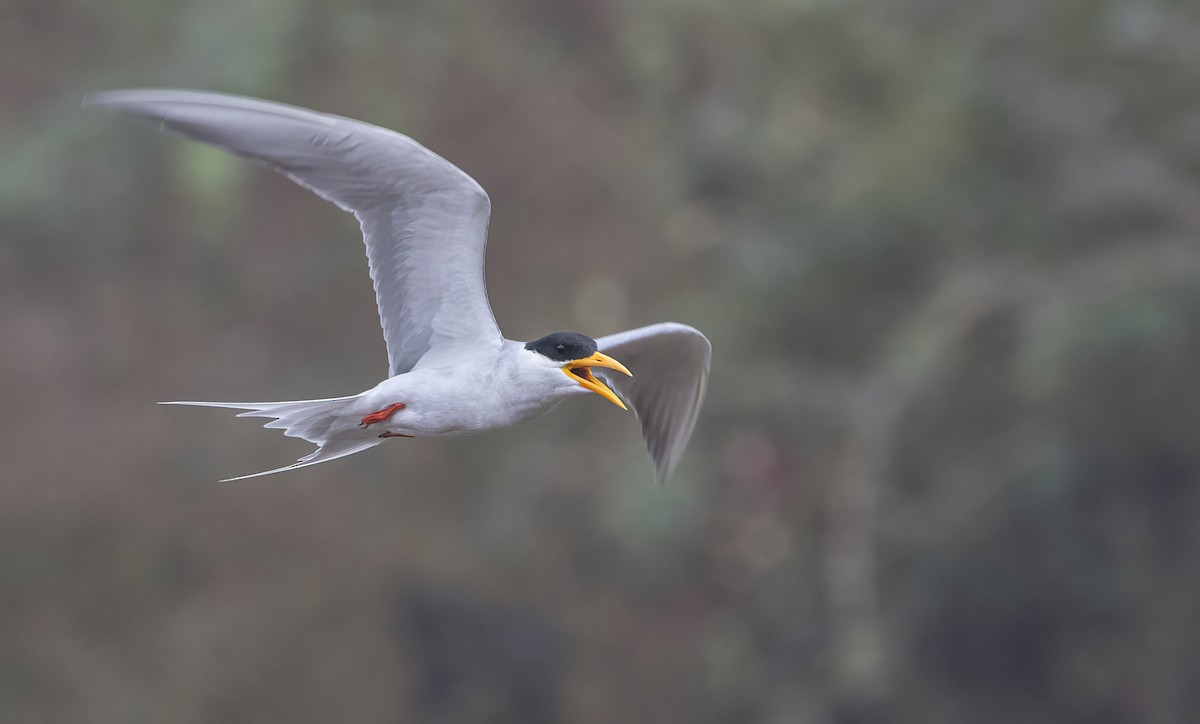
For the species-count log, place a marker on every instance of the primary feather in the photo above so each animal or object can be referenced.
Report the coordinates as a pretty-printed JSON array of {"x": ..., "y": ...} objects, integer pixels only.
[
  {"x": 418, "y": 212},
  {"x": 670, "y": 364}
]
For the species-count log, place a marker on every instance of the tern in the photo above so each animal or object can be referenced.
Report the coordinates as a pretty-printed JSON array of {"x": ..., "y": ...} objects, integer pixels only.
[{"x": 424, "y": 222}]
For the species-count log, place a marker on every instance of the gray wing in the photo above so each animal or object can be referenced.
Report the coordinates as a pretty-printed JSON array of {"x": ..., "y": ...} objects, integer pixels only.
[
  {"x": 424, "y": 221},
  {"x": 670, "y": 364}
]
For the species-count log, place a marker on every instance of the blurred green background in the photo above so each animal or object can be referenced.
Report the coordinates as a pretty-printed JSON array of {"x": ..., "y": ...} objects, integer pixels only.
[{"x": 949, "y": 468}]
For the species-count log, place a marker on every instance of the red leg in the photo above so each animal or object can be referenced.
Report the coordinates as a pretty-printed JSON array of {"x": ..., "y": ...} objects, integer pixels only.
[
  {"x": 381, "y": 415},
  {"x": 394, "y": 434}
]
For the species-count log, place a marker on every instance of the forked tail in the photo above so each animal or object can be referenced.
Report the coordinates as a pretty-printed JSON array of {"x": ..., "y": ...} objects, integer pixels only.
[{"x": 314, "y": 420}]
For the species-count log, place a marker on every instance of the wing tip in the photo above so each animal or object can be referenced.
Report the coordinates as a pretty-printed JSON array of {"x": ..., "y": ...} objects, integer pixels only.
[{"x": 116, "y": 98}]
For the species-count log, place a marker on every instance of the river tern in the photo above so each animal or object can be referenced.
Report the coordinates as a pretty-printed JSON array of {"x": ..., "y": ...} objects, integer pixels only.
[{"x": 424, "y": 222}]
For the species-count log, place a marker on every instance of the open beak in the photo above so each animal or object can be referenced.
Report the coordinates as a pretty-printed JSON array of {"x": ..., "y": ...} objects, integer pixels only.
[{"x": 580, "y": 371}]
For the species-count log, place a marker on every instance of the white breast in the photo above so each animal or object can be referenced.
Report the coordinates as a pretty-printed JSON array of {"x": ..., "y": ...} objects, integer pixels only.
[{"x": 463, "y": 399}]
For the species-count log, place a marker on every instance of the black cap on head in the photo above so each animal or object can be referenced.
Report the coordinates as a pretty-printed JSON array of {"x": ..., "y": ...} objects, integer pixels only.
[{"x": 563, "y": 346}]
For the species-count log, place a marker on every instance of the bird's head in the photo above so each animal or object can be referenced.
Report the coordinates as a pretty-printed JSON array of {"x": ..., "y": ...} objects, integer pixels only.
[{"x": 575, "y": 354}]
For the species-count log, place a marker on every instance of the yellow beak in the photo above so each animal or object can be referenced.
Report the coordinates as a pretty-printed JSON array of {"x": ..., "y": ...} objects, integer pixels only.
[{"x": 580, "y": 371}]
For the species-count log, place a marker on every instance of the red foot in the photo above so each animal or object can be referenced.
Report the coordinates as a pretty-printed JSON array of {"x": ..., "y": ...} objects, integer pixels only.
[
  {"x": 380, "y": 416},
  {"x": 394, "y": 434}
]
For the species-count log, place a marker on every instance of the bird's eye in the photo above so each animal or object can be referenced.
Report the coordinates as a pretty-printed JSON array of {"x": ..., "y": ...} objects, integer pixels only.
[{"x": 561, "y": 347}]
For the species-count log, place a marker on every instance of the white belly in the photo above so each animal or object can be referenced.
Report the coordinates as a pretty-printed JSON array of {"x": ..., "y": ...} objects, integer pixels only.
[{"x": 445, "y": 403}]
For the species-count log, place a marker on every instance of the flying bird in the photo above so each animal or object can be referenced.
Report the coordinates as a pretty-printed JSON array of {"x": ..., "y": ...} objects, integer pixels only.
[{"x": 424, "y": 222}]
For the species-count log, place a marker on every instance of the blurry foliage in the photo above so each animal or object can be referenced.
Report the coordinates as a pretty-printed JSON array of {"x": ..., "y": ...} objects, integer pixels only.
[{"x": 946, "y": 252}]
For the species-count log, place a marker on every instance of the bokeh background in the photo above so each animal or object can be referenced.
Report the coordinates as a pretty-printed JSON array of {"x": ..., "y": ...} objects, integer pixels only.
[{"x": 949, "y": 468}]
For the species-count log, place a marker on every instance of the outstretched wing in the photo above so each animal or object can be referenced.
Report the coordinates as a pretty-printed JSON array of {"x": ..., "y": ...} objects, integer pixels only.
[
  {"x": 670, "y": 364},
  {"x": 424, "y": 221}
]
